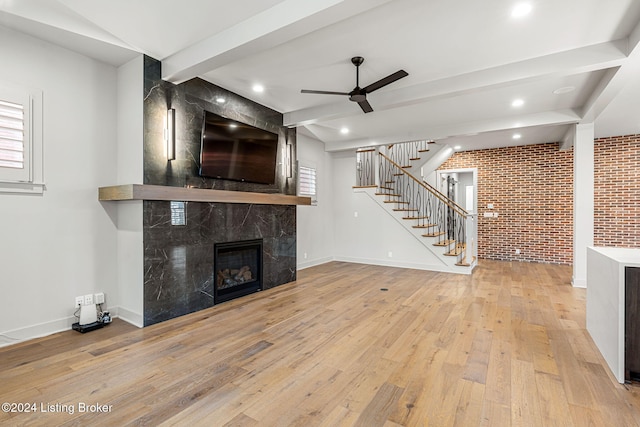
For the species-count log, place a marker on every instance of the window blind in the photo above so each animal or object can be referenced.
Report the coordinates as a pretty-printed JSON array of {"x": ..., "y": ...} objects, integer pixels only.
[
  {"x": 11, "y": 135},
  {"x": 307, "y": 181}
]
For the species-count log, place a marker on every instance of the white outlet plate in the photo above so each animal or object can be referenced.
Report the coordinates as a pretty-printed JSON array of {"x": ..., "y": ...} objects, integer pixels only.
[
  {"x": 390, "y": 254},
  {"x": 88, "y": 299},
  {"x": 99, "y": 298},
  {"x": 79, "y": 301}
]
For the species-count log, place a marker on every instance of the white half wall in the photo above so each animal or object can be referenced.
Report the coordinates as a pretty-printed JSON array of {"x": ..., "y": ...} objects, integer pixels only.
[
  {"x": 61, "y": 244},
  {"x": 315, "y": 226}
]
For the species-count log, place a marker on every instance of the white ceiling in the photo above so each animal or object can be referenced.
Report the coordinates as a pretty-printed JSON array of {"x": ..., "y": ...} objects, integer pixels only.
[{"x": 467, "y": 60}]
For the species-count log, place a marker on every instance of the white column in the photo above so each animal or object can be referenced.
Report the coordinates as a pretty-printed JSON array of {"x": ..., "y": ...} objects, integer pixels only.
[{"x": 583, "y": 179}]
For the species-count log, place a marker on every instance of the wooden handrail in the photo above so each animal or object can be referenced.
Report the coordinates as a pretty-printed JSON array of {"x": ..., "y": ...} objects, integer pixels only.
[
  {"x": 435, "y": 190},
  {"x": 430, "y": 189}
]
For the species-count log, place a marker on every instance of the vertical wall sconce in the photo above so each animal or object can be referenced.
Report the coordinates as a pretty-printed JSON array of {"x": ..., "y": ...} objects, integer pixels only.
[
  {"x": 288, "y": 163},
  {"x": 171, "y": 134}
]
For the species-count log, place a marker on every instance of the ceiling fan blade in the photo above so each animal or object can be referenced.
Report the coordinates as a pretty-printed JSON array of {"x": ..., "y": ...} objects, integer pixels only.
[
  {"x": 323, "y": 92},
  {"x": 385, "y": 81},
  {"x": 366, "y": 107}
]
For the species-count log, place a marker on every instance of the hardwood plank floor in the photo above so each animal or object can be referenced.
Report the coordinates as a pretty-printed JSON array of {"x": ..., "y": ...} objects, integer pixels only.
[{"x": 506, "y": 346}]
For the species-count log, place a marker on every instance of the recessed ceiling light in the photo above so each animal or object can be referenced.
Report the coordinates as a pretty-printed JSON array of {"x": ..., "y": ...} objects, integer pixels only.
[
  {"x": 565, "y": 89},
  {"x": 233, "y": 125},
  {"x": 344, "y": 131},
  {"x": 220, "y": 100},
  {"x": 517, "y": 103},
  {"x": 520, "y": 10},
  {"x": 258, "y": 88},
  {"x": 517, "y": 136}
]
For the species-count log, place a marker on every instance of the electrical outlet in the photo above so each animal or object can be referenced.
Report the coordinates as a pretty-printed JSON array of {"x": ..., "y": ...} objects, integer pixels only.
[
  {"x": 305, "y": 255},
  {"x": 99, "y": 298},
  {"x": 390, "y": 254},
  {"x": 88, "y": 299},
  {"x": 79, "y": 301}
]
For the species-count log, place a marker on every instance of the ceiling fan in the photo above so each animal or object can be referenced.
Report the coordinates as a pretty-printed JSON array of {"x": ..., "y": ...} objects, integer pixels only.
[{"x": 359, "y": 94}]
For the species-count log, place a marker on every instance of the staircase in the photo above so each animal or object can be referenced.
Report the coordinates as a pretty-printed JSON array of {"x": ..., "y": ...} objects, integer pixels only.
[{"x": 442, "y": 226}]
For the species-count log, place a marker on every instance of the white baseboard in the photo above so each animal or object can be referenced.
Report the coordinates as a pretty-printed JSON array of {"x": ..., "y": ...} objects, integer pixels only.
[
  {"x": 579, "y": 283},
  {"x": 401, "y": 264},
  {"x": 313, "y": 263},
  {"x": 38, "y": 330},
  {"x": 136, "y": 319},
  {"x": 44, "y": 329}
]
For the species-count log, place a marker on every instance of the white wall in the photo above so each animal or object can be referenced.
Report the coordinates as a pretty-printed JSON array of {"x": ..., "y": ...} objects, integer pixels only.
[
  {"x": 61, "y": 244},
  {"x": 372, "y": 234},
  {"x": 130, "y": 171},
  {"x": 315, "y": 223}
]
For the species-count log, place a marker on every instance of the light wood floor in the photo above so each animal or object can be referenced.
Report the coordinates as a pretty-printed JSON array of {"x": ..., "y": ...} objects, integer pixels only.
[{"x": 504, "y": 347}]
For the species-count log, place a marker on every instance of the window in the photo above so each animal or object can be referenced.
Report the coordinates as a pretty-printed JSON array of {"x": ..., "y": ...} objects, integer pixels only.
[
  {"x": 11, "y": 135},
  {"x": 20, "y": 140},
  {"x": 307, "y": 183}
]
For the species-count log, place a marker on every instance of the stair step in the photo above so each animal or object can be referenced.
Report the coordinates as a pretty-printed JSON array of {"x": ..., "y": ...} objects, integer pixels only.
[
  {"x": 414, "y": 158},
  {"x": 398, "y": 174},
  {"x": 386, "y": 188},
  {"x": 444, "y": 242},
  {"x": 425, "y": 226},
  {"x": 434, "y": 234},
  {"x": 423, "y": 151},
  {"x": 455, "y": 252},
  {"x": 406, "y": 210},
  {"x": 400, "y": 202},
  {"x": 389, "y": 194},
  {"x": 389, "y": 182},
  {"x": 415, "y": 217},
  {"x": 406, "y": 167}
]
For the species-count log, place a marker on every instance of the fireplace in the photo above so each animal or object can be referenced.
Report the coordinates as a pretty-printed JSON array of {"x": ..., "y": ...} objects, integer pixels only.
[{"x": 237, "y": 268}]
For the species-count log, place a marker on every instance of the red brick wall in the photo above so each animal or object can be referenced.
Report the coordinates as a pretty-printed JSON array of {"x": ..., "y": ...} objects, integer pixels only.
[
  {"x": 617, "y": 191},
  {"x": 531, "y": 188}
]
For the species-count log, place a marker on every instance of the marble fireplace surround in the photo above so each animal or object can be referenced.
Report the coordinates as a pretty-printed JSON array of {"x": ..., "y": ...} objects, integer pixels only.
[{"x": 176, "y": 263}]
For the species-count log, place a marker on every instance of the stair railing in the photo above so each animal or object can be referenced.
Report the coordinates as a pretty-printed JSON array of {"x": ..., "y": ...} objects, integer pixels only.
[
  {"x": 434, "y": 213},
  {"x": 404, "y": 153},
  {"x": 366, "y": 167}
]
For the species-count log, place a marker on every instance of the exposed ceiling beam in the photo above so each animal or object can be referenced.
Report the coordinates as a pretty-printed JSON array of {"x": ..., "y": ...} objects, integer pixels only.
[
  {"x": 58, "y": 15},
  {"x": 572, "y": 62},
  {"x": 616, "y": 81},
  {"x": 281, "y": 23},
  {"x": 549, "y": 118}
]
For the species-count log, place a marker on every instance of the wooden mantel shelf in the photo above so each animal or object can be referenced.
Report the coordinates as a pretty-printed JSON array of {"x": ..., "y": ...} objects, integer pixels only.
[{"x": 166, "y": 193}]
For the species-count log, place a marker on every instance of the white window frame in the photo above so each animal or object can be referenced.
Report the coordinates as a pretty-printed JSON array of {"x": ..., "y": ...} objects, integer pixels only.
[
  {"x": 301, "y": 192},
  {"x": 29, "y": 179}
]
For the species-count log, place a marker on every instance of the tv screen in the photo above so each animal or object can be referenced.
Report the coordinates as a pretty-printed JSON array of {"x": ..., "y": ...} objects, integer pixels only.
[{"x": 237, "y": 151}]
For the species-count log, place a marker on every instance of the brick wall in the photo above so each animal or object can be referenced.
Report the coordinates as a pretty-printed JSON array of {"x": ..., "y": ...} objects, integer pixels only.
[
  {"x": 617, "y": 191},
  {"x": 531, "y": 189}
]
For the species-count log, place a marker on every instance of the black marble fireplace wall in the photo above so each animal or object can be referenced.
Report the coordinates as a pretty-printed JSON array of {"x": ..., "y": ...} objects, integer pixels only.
[{"x": 178, "y": 270}]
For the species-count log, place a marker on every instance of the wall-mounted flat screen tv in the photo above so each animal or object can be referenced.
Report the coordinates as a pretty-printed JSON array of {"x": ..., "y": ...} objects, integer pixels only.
[{"x": 237, "y": 151}]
